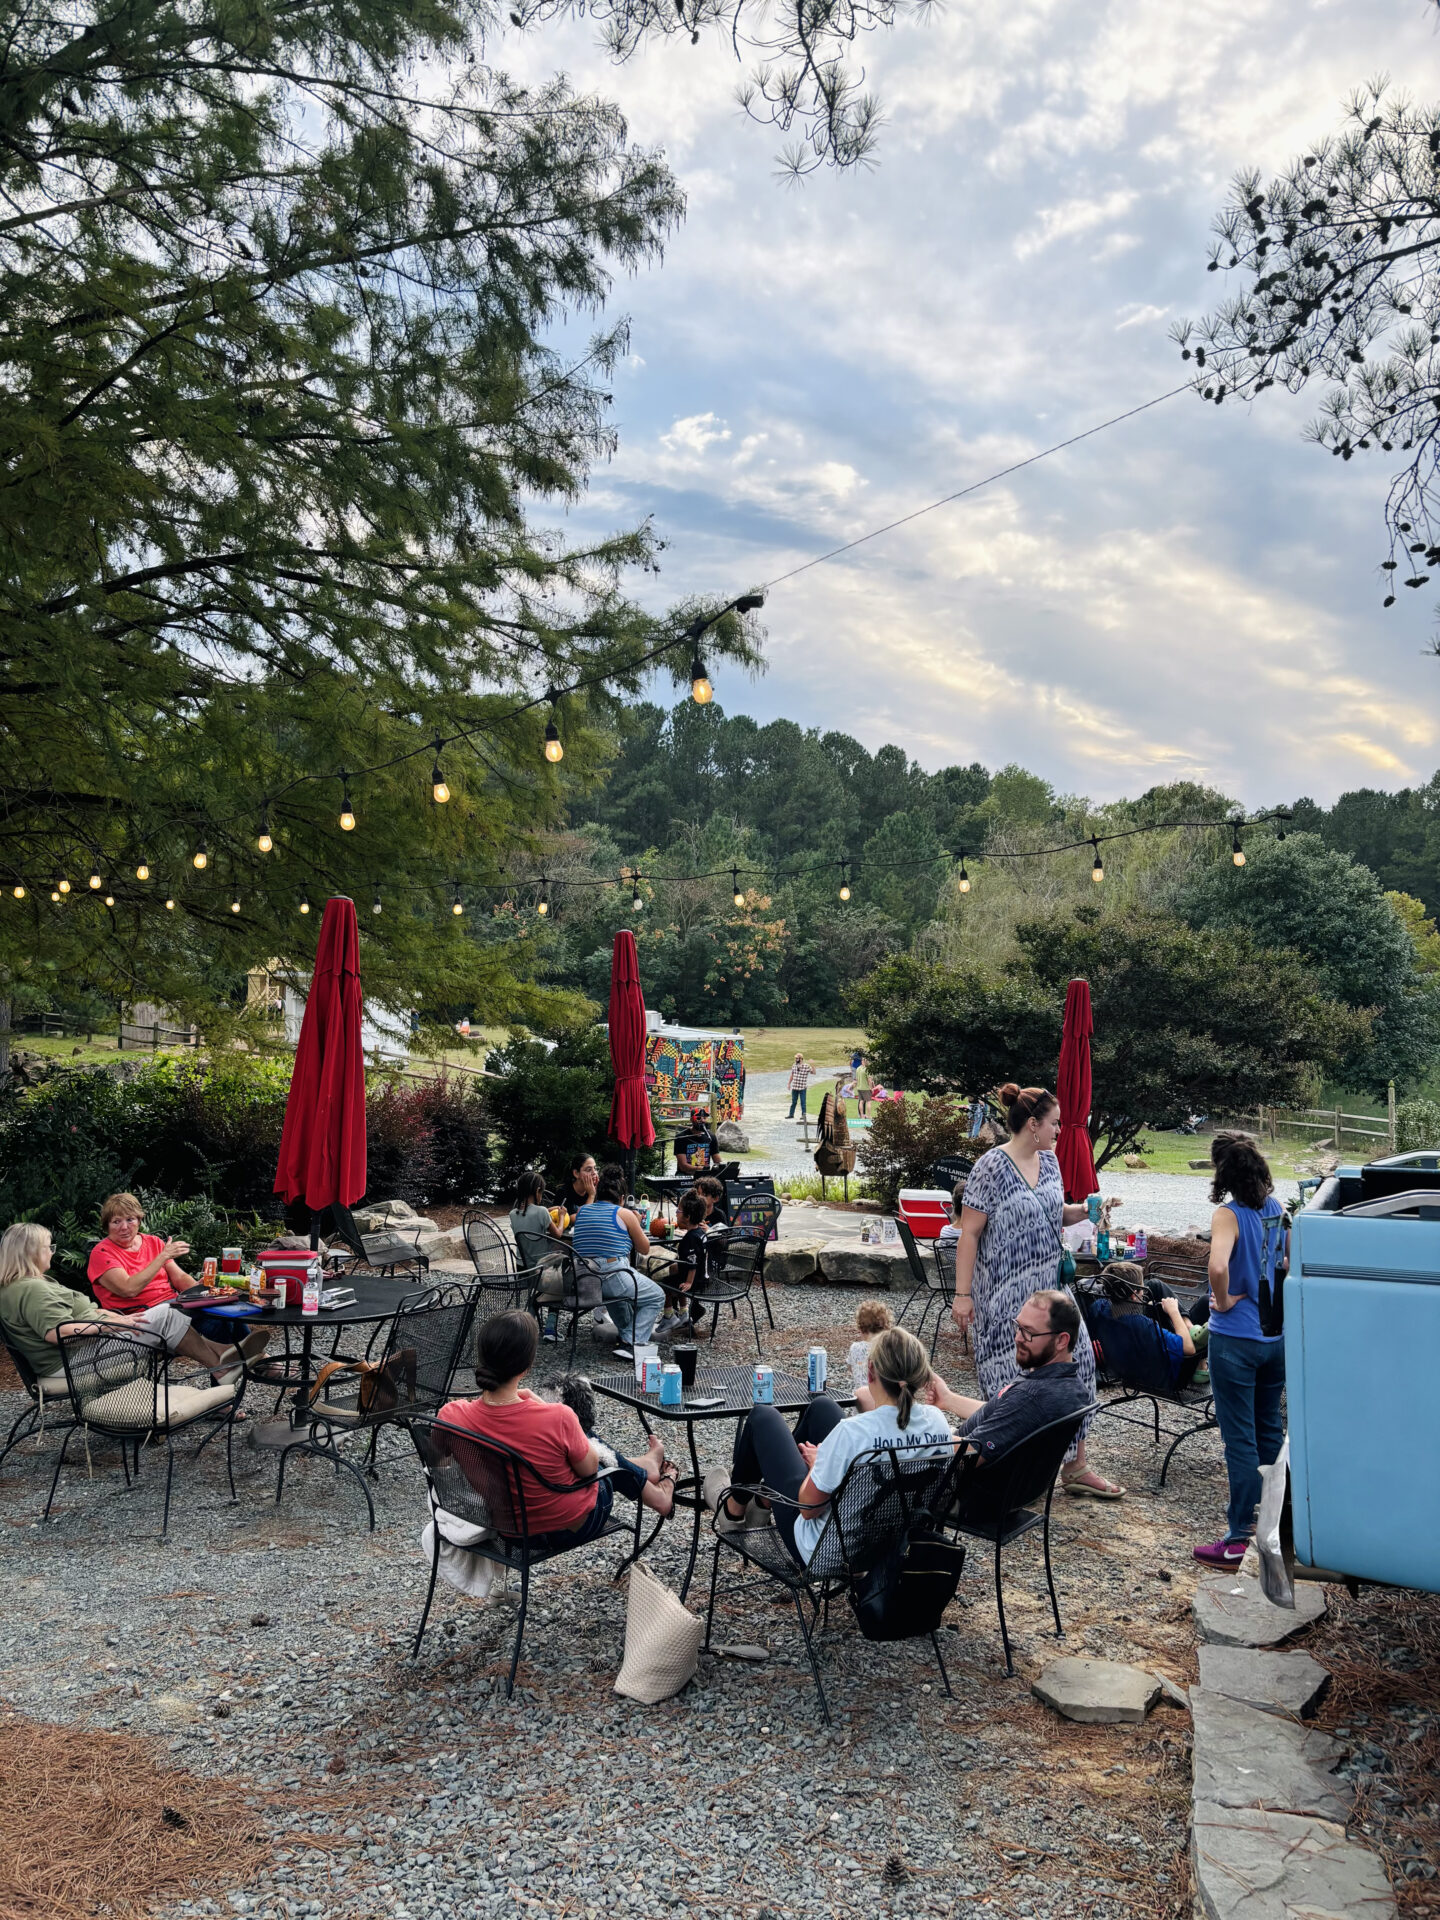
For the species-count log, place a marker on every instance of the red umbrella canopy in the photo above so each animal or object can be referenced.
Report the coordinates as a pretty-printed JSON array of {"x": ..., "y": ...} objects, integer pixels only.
[
  {"x": 1077, "y": 1162},
  {"x": 630, "y": 1121},
  {"x": 322, "y": 1146}
]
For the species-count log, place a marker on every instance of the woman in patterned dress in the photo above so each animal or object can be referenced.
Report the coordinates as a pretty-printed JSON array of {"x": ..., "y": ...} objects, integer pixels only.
[{"x": 1009, "y": 1247}]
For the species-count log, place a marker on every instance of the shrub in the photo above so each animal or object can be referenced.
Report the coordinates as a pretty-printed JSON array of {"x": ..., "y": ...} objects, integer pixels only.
[
  {"x": 456, "y": 1113},
  {"x": 906, "y": 1138},
  {"x": 400, "y": 1153},
  {"x": 1417, "y": 1125},
  {"x": 551, "y": 1101}
]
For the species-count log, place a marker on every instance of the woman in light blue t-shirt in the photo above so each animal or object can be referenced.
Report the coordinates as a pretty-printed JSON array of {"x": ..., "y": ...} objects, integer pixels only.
[
  {"x": 807, "y": 1465},
  {"x": 1247, "y": 1364}
]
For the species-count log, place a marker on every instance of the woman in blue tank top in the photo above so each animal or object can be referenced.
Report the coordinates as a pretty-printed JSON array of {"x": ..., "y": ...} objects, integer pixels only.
[
  {"x": 610, "y": 1236},
  {"x": 1247, "y": 1365}
]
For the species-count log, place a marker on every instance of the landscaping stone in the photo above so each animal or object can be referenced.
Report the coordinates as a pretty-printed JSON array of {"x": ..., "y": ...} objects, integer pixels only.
[
  {"x": 380, "y": 1214},
  {"x": 877, "y": 1269},
  {"x": 1231, "y": 1611},
  {"x": 1095, "y": 1692},
  {"x": 1246, "y": 1758},
  {"x": 1281, "y": 1866},
  {"x": 790, "y": 1266},
  {"x": 1274, "y": 1682},
  {"x": 732, "y": 1137}
]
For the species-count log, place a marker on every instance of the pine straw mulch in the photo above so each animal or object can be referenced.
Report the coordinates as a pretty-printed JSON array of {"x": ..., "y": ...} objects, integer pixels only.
[
  {"x": 1383, "y": 1652},
  {"x": 93, "y": 1825}
]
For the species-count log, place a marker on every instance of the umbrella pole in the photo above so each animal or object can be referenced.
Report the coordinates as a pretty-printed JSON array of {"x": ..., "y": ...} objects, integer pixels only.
[{"x": 627, "y": 1160}]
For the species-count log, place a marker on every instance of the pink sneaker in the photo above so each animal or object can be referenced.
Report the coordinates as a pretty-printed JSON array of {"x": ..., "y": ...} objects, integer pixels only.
[{"x": 1222, "y": 1553}]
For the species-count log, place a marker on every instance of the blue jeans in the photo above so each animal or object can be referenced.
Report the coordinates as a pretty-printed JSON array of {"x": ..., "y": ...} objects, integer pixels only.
[
  {"x": 634, "y": 1300},
  {"x": 627, "y": 1478},
  {"x": 797, "y": 1093},
  {"x": 1247, "y": 1378}
]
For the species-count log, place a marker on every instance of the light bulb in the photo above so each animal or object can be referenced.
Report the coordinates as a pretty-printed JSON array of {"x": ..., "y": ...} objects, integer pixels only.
[
  {"x": 739, "y": 899},
  {"x": 96, "y": 883},
  {"x": 438, "y": 789},
  {"x": 701, "y": 691},
  {"x": 169, "y": 905},
  {"x": 64, "y": 886},
  {"x": 347, "y": 816},
  {"x": 1237, "y": 852},
  {"x": 1097, "y": 872},
  {"x": 142, "y": 872},
  {"x": 265, "y": 843},
  {"x": 637, "y": 905},
  {"x": 542, "y": 907},
  {"x": 304, "y": 903},
  {"x": 554, "y": 751},
  {"x": 234, "y": 906},
  {"x": 377, "y": 908},
  {"x": 200, "y": 859},
  {"x": 55, "y": 894},
  {"x": 19, "y": 892},
  {"x": 1238, "y": 856},
  {"x": 457, "y": 906},
  {"x": 964, "y": 883},
  {"x": 739, "y": 895},
  {"x": 845, "y": 891},
  {"x": 109, "y": 899}
]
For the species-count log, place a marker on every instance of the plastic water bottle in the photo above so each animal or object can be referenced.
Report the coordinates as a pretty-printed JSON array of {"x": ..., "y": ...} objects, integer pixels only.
[
  {"x": 310, "y": 1294},
  {"x": 1142, "y": 1245}
]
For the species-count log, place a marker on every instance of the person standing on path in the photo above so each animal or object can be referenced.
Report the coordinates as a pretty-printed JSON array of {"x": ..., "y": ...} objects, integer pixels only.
[
  {"x": 862, "y": 1087},
  {"x": 1247, "y": 1364},
  {"x": 801, "y": 1074},
  {"x": 1011, "y": 1218}
]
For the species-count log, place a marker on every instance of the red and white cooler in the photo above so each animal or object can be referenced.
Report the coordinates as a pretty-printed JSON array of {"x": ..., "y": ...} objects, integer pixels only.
[{"x": 925, "y": 1210}]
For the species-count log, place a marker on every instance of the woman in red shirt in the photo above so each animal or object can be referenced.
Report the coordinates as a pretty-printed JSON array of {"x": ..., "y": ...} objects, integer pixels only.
[
  {"x": 131, "y": 1270},
  {"x": 551, "y": 1439}
]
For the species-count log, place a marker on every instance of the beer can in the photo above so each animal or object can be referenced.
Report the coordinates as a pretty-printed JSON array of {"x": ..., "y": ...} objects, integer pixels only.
[
  {"x": 652, "y": 1373},
  {"x": 819, "y": 1369},
  {"x": 763, "y": 1391},
  {"x": 670, "y": 1385}
]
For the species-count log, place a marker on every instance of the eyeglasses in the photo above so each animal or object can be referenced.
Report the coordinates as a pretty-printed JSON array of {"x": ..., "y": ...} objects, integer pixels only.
[{"x": 1034, "y": 1333}]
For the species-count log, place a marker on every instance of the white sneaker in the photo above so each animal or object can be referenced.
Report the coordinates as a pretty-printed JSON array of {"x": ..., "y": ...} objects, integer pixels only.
[{"x": 672, "y": 1323}]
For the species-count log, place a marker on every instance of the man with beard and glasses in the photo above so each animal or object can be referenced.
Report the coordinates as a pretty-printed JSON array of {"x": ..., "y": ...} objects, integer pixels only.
[{"x": 1048, "y": 1387}]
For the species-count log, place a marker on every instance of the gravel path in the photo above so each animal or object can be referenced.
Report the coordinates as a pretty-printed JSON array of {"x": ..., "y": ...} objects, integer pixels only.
[{"x": 267, "y": 1648}]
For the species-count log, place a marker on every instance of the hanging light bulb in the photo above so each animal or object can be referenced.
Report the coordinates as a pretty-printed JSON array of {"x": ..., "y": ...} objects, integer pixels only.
[
  {"x": 739, "y": 890},
  {"x": 964, "y": 881},
  {"x": 265, "y": 842},
  {"x": 1097, "y": 872},
  {"x": 439, "y": 792},
  {"x": 235, "y": 903},
  {"x": 637, "y": 904},
  {"x": 55, "y": 893},
  {"x": 96, "y": 881},
  {"x": 109, "y": 899},
  {"x": 554, "y": 750},
  {"x": 844, "y": 880},
  {"x": 142, "y": 871},
  {"x": 376, "y": 907},
  {"x": 1237, "y": 852},
  {"x": 347, "y": 816},
  {"x": 169, "y": 903},
  {"x": 63, "y": 885},
  {"x": 701, "y": 691},
  {"x": 200, "y": 859},
  {"x": 18, "y": 891},
  {"x": 542, "y": 905},
  {"x": 457, "y": 905},
  {"x": 304, "y": 903}
]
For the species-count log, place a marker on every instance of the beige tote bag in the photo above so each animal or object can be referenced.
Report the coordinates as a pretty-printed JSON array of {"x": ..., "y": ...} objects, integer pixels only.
[{"x": 662, "y": 1641}]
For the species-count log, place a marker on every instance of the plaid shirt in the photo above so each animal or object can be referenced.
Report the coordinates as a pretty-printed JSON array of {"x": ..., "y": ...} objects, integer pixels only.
[{"x": 800, "y": 1077}]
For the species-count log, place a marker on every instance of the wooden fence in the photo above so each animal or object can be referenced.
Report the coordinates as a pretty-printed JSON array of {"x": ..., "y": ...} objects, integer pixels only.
[{"x": 1329, "y": 1125}]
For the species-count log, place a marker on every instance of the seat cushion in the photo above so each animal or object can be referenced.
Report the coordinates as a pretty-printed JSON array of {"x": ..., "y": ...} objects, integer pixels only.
[
  {"x": 56, "y": 1387},
  {"x": 133, "y": 1406}
]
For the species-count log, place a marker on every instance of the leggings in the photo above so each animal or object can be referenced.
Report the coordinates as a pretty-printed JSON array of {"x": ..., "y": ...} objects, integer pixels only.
[{"x": 766, "y": 1450}]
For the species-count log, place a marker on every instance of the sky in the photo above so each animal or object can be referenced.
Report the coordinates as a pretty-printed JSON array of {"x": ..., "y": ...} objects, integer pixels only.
[{"x": 1192, "y": 594}]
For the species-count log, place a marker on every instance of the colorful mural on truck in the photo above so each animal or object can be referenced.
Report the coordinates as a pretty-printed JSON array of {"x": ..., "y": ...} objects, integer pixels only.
[{"x": 687, "y": 1068}]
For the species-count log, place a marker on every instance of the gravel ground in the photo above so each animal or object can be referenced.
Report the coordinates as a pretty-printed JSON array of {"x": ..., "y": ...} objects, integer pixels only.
[{"x": 267, "y": 1648}]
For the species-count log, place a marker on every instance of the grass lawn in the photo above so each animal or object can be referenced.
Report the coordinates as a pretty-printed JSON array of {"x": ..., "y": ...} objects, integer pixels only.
[{"x": 767, "y": 1049}]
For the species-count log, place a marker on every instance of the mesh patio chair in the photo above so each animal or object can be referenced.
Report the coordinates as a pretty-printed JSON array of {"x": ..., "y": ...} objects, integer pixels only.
[
  {"x": 756, "y": 1216},
  {"x": 121, "y": 1386},
  {"x": 502, "y": 1281},
  {"x": 951, "y": 1170},
  {"x": 427, "y": 1340},
  {"x": 486, "y": 1484},
  {"x": 581, "y": 1281},
  {"x": 387, "y": 1253},
  {"x": 728, "y": 1284},
  {"x": 48, "y": 1396},
  {"x": 1131, "y": 1360},
  {"x": 883, "y": 1494},
  {"x": 994, "y": 1501},
  {"x": 934, "y": 1280}
]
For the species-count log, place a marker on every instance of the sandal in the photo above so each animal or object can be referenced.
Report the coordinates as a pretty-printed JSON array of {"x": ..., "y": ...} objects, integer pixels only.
[{"x": 1089, "y": 1485}]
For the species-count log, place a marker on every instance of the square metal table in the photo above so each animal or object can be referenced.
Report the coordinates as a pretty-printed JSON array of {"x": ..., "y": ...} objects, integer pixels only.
[{"x": 734, "y": 1385}]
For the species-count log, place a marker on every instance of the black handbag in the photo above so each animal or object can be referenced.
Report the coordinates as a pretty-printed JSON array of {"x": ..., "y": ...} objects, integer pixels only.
[{"x": 907, "y": 1592}]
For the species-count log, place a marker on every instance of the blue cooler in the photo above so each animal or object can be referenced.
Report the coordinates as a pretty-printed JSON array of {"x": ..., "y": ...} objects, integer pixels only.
[{"x": 1362, "y": 1373}]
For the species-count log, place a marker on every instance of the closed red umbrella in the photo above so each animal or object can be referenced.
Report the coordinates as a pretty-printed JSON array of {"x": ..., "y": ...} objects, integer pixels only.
[
  {"x": 630, "y": 1121},
  {"x": 1077, "y": 1161},
  {"x": 322, "y": 1146}
]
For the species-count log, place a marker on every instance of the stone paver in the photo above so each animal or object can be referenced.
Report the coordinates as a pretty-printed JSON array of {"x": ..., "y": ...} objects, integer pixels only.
[
  {"x": 1281, "y": 1866},
  {"x": 1097, "y": 1692},
  {"x": 1246, "y": 1758},
  {"x": 876, "y": 1268},
  {"x": 1231, "y": 1611},
  {"x": 1275, "y": 1682}
]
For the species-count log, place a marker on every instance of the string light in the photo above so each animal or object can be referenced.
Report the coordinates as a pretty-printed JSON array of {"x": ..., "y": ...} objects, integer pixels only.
[
  {"x": 304, "y": 902},
  {"x": 375, "y": 906},
  {"x": 200, "y": 859},
  {"x": 235, "y": 904},
  {"x": 1097, "y": 872},
  {"x": 109, "y": 899},
  {"x": 739, "y": 890},
  {"x": 63, "y": 885},
  {"x": 169, "y": 903},
  {"x": 457, "y": 905},
  {"x": 142, "y": 871},
  {"x": 1237, "y": 852},
  {"x": 96, "y": 880},
  {"x": 964, "y": 881},
  {"x": 844, "y": 880},
  {"x": 701, "y": 691},
  {"x": 347, "y": 815},
  {"x": 265, "y": 841},
  {"x": 439, "y": 792},
  {"x": 55, "y": 893},
  {"x": 542, "y": 905},
  {"x": 637, "y": 904},
  {"x": 18, "y": 891}
]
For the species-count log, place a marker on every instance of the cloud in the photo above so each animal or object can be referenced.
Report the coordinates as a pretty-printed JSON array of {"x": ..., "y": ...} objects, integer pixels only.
[{"x": 1073, "y": 218}]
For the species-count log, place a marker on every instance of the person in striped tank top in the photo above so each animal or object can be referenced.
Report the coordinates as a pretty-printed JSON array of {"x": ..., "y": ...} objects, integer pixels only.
[{"x": 610, "y": 1236}]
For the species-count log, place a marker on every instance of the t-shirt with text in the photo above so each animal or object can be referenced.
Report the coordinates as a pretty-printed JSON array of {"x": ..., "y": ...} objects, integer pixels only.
[{"x": 928, "y": 1432}]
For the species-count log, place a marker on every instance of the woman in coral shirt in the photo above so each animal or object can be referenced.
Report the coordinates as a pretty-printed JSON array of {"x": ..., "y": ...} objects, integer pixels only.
[{"x": 131, "y": 1270}]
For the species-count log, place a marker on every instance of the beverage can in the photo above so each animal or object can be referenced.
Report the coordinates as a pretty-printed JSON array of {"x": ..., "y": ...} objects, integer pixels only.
[
  {"x": 670, "y": 1385},
  {"x": 860, "y": 1363},
  {"x": 763, "y": 1391},
  {"x": 642, "y": 1354},
  {"x": 207, "y": 1271},
  {"x": 310, "y": 1296},
  {"x": 652, "y": 1373},
  {"x": 819, "y": 1369}
]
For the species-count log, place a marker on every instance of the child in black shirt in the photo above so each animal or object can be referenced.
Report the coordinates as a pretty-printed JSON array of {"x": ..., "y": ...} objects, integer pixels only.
[{"x": 690, "y": 1266}]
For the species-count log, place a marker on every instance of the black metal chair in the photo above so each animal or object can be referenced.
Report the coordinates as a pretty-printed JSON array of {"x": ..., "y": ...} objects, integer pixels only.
[
  {"x": 934, "y": 1279},
  {"x": 884, "y": 1493},
  {"x": 427, "y": 1340},
  {"x": 503, "y": 1280},
  {"x": 386, "y": 1253},
  {"x": 729, "y": 1283},
  {"x": 951, "y": 1170},
  {"x": 120, "y": 1386},
  {"x": 755, "y": 1215},
  {"x": 994, "y": 1501},
  {"x": 488, "y": 1484},
  {"x": 48, "y": 1395},
  {"x": 581, "y": 1284},
  {"x": 1133, "y": 1362}
]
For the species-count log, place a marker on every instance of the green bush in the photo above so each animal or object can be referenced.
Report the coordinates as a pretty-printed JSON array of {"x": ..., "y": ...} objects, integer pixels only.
[
  {"x": 550, "y": 1101},
  {"x": 1417, "y": 1125},
  {"x": 905, "y": 1140}
]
